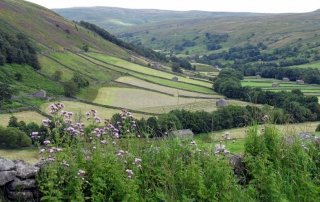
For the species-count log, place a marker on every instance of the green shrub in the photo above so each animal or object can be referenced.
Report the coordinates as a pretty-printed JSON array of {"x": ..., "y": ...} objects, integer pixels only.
[
  {"x": 318, "y": 128},
  {"x": 13, "y": 138}
]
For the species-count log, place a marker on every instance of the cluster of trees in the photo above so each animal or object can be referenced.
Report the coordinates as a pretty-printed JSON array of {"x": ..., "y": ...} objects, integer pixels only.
[
  {"x": 267, "y": 70},
  {"x": 294, "y": 106},
  {"x": 72, "y": 87},
  {"x": 146, "y": 52},
  {"x": 198, "y": 122},
  {"x": 185, "y": 44},
  {"x": 213, "y": 41},
  {"x": 17, "y": 48}
]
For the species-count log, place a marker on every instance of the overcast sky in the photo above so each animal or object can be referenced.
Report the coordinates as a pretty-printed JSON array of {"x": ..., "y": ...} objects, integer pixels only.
[{"x": 269, "y": 6}]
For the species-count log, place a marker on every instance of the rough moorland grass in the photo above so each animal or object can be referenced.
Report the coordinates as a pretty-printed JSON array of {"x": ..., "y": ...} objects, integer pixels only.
[
  {"x": 26, "y": 116},
  {"x": 30, "y": 155},
  {"x": 138, "y": 68},
  {"x": 80, "y": 108},
  {"x": 144, "y": 84},
  {"x": 138, "y": 99}
]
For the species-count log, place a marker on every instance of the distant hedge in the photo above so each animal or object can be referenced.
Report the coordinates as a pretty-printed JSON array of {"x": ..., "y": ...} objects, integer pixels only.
[{"x": 13, "y": 138}]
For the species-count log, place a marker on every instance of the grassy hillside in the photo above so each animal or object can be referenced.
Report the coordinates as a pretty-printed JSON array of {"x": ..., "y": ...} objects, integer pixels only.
[
  {"x": 115, "y": 19},
  {"x": 166, "y": 29}
]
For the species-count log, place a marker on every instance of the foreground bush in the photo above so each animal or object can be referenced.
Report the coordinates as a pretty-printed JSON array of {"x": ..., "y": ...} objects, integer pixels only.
[
  {"x": 108, "y": 163},
  {"x": 13, "y": 138}
]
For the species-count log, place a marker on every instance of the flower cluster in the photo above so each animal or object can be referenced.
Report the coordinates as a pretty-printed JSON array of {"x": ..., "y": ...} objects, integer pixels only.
[
  {"x": 138, "y": 162},
  {"x": 35, "y": 135},
  {"x": 76, "y": 129},
  {"x": 92, "y": 114},
  {"x": 129, "y": 173},
  {"x": 56, "y": 107},
  {"x": 220, "y": 149},
  {"x": 46, "y": 123}
]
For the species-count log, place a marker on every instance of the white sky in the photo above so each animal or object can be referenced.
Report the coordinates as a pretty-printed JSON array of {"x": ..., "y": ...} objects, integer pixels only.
[{"x": 267, "y": 6}]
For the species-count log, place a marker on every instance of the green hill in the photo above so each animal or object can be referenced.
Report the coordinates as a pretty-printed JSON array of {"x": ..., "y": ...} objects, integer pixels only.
[
  {"x": 186, "y": 31},
  {"x": 57, "y": 46}
]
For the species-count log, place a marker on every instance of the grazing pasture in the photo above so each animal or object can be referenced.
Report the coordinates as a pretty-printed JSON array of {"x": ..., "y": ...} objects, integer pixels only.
[
  {"x": 30, "y": 155},
  {"x": 26, "y": 116},
  {"x": 80, "y": 109},
  {"x": 145, "y": 70},
  {"x": 152, "y": 79},
  {"x": 266, "y": 84},
  {"x": 144, "y": 84}
]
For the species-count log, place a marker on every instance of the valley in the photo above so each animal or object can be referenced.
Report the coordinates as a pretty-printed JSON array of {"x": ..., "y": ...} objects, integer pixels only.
[{"x": 115, "y": 104}]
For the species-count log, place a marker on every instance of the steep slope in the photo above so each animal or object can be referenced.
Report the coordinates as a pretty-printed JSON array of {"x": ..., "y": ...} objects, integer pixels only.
[{"x": 49, "y": 30}]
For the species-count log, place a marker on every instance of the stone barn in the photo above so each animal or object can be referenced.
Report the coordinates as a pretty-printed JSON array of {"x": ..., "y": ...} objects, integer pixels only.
[
  {"x": 275, "y": 85},
  {"x": 222, "y": 103},
  {"x": 184, "y": 134},
  {"x": 285, "y": 79},
  {"x": 175, "y": 78},
  {"x": 300, "y": 81},
  {"x": 42, "y": 94}
]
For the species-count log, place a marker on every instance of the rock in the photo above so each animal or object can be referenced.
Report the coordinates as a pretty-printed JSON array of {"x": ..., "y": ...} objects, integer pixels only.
[
  {"x": 18, "y": 184},
  {"x": 239, "y": 168},
  {"x": 25, "y": 170},
  {"x": 6, "y": 165},
  {"x": 7, "y": 176},
  {"x": 20, "y": 196}
]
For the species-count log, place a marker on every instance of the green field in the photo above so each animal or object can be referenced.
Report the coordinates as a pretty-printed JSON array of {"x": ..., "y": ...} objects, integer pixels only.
[
  {"x": 79, "y": 109},
  {"x": 154, "y": 102},
  {"x": 26, "y": 116},
  {"x": 145, "y": 70},
  {"x": 144, "y": 84},
  {"x": 155, "y": 79},
  {"x": 266, "y": 84},
  {"x": 30, "y": 155},
  {"x": 204, "y": 67}
]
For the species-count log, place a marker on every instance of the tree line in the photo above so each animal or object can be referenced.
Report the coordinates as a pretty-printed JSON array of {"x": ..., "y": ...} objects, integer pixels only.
[{"x": 17, "y": 48}]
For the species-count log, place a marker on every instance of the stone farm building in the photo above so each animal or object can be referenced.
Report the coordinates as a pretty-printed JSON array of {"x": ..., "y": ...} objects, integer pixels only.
[
  {"x": 222, "y": 103},
  {"x": 42, "y": 94},
  {"x": 186, "y": 133},
  {"x": 300, "y": 81},
  {"x": 275, "y": 85},
  {"x": 285, "y": 79}
]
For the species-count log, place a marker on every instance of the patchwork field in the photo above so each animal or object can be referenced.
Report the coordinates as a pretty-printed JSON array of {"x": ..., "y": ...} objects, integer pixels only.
[
  {"x": 153, "y": 79},
  {"x": 145, "y": 70},
  {"x": 144, "y": 84},
  {"x": 79, "y": 109},
  {"x": 266, "y": 84},
  {"x": 154, "y": 102},
  {"x": 26, "y": 116}
]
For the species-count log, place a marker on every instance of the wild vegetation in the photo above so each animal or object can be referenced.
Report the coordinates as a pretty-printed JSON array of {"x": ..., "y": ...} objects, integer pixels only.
[{"x": 106, "y": 163}]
